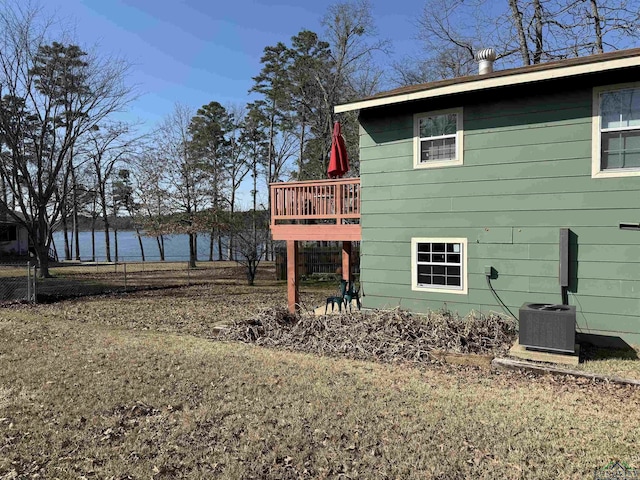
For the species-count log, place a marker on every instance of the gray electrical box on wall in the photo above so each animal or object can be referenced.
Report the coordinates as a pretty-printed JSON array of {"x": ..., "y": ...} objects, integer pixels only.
[{"x": 563, "y": 276}]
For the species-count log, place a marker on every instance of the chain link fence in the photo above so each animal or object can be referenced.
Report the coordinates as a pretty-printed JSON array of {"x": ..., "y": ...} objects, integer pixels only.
[
  {"x": 18, "y": 282},
  {"x": 77, "y": 279}
]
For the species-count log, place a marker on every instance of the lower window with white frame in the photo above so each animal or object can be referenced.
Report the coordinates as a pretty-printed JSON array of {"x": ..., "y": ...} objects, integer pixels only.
[{"x": 439, "y": 265}]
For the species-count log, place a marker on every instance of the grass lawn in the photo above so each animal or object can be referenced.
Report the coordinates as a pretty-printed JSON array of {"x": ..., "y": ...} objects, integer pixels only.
[
  {"x": 133, "y": 386},
  {"x": 617, "y": 362}
]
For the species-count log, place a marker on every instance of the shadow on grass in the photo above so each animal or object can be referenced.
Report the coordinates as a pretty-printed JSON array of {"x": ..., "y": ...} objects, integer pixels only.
[
  {"x": 605, "y": 347},
  {"x": 593, "y": 353}
]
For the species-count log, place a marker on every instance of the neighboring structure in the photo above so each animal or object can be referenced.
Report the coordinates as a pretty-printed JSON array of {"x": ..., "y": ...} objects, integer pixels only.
[
  {"x": 475, "y": 176},
  {"x": 14, "y": 239}
]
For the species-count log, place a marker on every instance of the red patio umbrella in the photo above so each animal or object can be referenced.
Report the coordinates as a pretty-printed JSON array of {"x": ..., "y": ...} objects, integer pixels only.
[{"x": 338, "y": 163}]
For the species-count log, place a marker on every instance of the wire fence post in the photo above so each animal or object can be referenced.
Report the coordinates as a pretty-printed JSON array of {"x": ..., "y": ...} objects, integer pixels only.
[
  {"x": 35, "y": 284},
  {"x": 124, "y": 267},
  {"x": 28, "y": 282}
]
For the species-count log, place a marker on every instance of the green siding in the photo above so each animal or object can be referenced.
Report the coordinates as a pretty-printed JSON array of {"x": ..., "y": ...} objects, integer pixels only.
[
  {"x": 526, "y": 174},
  {"x": 393, "y": 172}
]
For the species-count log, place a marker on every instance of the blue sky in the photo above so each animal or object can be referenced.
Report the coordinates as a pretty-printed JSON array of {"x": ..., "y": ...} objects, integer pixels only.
[{"x": 197, "y": 51}]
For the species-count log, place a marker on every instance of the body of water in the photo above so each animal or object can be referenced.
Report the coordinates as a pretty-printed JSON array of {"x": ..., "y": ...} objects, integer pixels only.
[{"x": 176, "y": 247}]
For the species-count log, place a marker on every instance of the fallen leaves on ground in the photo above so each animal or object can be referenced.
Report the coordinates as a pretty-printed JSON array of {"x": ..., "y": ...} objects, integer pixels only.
[{"x": 390, "y": 335}]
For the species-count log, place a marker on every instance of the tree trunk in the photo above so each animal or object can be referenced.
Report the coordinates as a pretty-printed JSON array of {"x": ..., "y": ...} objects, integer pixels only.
[
  {"x": 300, "y": 160},
  {"x": 41, "y": 245},
  {"x": 65, "y": 234},
  {"x": 3, "y": 191},
  {"x": 255, "y": 206},
  {"x": 522, "y": 38},
  {"x": 252, "y": 268},
  {"x": 219, "y": 246},
  {"x": 195, "y": 246},
  {"x": 192, "y": 250},
  {"x": 140, "y": 243},
  {"x": 107, "y": 241},
  {"x": 160, "y": 242},
  {"x": 212, "y": 241},
  {"x": 76, "y": 227},
  {"x": 232, "y": 205},
  {"x": 272, "y": 167},
  {"x": 115, "y": 222},
  {"x": 42, "y": 255},
  {"x": 538, "y": 40},
  {"x": 76, "y": 235},
  {"x": 93, "y": 239},
  {"x": 105, "y": 218},
  {"x": 115, "y": 240},
  {"x": 65, "y": 226},
  {"x": 597, "y": 25}
]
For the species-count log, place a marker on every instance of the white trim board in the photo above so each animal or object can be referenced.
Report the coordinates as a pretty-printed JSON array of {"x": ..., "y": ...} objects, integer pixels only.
[{"x": 494, "y": 82}]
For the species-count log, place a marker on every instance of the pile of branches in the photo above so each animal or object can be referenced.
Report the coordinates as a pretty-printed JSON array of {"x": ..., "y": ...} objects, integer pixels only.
[{"x": 389, "y": 335}]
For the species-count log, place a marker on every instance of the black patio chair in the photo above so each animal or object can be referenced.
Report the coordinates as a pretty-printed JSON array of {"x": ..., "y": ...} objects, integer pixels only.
[{"x": 339, "y": 298}]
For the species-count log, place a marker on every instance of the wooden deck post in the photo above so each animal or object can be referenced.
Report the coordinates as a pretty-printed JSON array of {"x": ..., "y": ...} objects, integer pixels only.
[
  {"x": 293, "y": 277},
  {"x": 346, "y": 261}
]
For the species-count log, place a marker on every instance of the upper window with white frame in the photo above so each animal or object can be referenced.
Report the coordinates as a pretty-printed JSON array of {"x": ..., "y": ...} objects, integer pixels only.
[
  {"x": 438, "y": 138},
  {"x": 616, "y": 131},
  {"x": 439, "y": 265}
]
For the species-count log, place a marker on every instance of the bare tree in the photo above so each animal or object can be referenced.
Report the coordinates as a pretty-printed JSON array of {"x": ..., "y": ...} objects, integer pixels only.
[
  {"x": 105, "y": 146},
  {"x": 523, "y": 32},
  {"x": 237, "y": 165},
  {"x": 518, "y": 23},
  {"x": 190, "y": 187},
  {"x": 350, "y": 30},
  {"x": 86, "y": 202},
  {"x": 150, "y": 186},
  {"x": 449, "y": 32},
  {"x": 251, "y": 233},
  {"x": 52, "y": 94},
  {"x": 601, "y": 25}
]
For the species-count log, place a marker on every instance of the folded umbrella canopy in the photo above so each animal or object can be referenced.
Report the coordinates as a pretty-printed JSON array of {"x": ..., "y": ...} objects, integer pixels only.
[{"x": 338, "y": 163}]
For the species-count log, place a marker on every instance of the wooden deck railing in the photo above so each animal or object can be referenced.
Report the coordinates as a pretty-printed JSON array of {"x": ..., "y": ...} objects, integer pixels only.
[{"x": 315, "y": 200}]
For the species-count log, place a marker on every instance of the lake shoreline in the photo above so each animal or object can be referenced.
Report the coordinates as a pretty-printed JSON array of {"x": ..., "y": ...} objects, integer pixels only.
[{"x": 176, "y": 246}]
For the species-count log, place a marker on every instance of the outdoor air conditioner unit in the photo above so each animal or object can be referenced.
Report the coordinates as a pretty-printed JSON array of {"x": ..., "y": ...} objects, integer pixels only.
[{"x": 548, "y": 327}]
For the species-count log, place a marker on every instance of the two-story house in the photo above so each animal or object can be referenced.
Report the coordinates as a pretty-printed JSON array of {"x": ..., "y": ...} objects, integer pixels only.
[{"x": 474, "y": 177}]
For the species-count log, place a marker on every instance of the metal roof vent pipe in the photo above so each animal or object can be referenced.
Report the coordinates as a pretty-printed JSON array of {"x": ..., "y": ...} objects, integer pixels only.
[{"x": 485, "y": 58}]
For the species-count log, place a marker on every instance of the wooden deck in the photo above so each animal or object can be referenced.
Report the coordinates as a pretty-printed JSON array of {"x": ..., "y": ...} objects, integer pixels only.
[{"x": 326, "y": 210}]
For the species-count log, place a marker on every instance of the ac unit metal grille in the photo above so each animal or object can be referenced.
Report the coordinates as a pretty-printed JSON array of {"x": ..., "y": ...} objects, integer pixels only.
[{"x": 548, "y": 327}]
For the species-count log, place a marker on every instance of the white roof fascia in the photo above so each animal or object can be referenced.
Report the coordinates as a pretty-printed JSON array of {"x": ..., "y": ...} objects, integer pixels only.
[{"x": 486, "y": 83}]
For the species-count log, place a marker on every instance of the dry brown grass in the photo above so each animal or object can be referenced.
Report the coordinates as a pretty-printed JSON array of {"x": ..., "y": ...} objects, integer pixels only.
[
  {"x": 112, "y": 403},
  {"x": 132, "y": 387},
  {"x": 618, "y": 362},
  {"x": 76, "y": 280}
]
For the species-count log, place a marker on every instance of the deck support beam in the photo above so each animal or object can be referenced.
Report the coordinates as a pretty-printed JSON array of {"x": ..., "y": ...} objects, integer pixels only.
[
  {"x": 346, "y": 261},
  {"x": 293, "y": 276}
]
